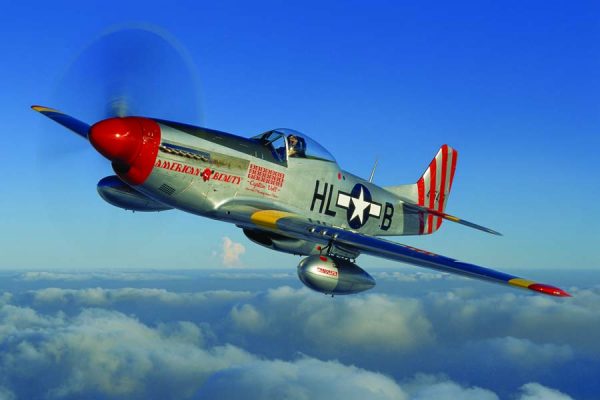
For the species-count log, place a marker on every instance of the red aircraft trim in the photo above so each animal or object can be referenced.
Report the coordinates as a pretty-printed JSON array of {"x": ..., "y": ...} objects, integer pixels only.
[
  {"x": 442, "y": 184},
  {"x": 432, "y": 182},
  {"x": 453, "y": 169},
  {"x": 421, "y": 189},
  {"x": 131, "y": 143}
]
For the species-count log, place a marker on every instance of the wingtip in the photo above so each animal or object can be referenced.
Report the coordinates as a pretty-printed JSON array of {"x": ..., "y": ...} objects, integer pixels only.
[
  {"x": 547, "y": 289},
  {"x": 538, "y": 287}
]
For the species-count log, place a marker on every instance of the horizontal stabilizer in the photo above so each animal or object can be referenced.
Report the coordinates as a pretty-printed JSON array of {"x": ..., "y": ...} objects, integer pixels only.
[
  {"x": 420, "y": 209},
  {"x": 75, "y": 125}
]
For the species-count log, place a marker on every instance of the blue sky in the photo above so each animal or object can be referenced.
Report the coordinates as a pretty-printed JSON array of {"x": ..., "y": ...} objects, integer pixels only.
[{"x": 513, "y": 87}]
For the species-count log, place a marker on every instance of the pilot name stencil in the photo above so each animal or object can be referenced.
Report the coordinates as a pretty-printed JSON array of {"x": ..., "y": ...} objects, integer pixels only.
[{"x": 264, "y": 181}]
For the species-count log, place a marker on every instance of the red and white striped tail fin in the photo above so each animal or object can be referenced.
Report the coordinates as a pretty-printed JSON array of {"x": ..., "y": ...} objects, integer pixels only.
[{"x": 434, "y": 187}]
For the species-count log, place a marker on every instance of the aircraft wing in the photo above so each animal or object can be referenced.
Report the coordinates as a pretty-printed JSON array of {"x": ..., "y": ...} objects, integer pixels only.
[{"x": 297, "y": 226}]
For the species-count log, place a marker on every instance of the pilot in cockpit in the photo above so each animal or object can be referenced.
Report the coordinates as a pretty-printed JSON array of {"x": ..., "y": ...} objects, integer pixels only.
[{"x": 296, "y": 147}]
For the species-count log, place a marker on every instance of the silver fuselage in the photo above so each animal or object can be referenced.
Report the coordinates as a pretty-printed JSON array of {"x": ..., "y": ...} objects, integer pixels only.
[{"x": 317, "y": 189}]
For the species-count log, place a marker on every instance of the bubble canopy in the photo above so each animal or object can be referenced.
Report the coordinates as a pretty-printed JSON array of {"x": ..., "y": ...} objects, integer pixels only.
[{"x": 288, "y": 143}]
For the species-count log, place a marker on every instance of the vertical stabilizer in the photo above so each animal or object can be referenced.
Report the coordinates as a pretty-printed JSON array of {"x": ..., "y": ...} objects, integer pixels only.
[
  {"x": 434, "y": 186},
  {"x": 431, "y": 191}
]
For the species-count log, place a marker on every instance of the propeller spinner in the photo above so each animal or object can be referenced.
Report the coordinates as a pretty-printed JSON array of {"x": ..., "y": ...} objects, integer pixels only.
[{"x": 131, "y": 144}]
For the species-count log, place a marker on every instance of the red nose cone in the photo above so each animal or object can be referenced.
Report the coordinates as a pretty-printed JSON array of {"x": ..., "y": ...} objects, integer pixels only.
[
  {"x": 130, "y": 143},
  {"x": 118, "y": 139}
]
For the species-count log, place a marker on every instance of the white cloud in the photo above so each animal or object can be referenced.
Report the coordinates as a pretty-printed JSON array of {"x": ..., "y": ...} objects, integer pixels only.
[
  {"x": 425, "y": 387},
  {"x": 6, "y": 394},
  {"x": 522, "y": 352},
  {"x": 412, "y": 276},
  {"x": 374, "y": 323},
  {"x": 510, "y": 325},
  {"x": 15, "y": 321},
  {"x": 535, "y": 391},
  {"x": 247, "y": 318},
  {"x": 104, "y": 275},
  {"x": 306, "y": 378},
  {"x": 483, "y": 342},
  {"x": 100, "y": 353},
  {"x": 231, "y": 252},
  {"x": 104, "y": 353},
  {"x": 252, "y": 275},
  {"x": 5, "y": 298},
  {"x": 309, "y": 378},
  {"x": 100, "y": 297},
  {"x": 471, "y": 316}
]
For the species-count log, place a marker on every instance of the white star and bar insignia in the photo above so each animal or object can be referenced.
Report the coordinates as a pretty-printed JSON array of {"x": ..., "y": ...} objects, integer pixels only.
[{"x": 359, "y": 205}]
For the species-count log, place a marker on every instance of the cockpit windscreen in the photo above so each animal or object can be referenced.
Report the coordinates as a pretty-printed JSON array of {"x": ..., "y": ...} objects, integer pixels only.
[{"x": 288, "y": 143}]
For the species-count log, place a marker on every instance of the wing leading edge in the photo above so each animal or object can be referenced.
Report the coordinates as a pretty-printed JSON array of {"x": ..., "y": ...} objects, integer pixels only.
[{"x": 298, "y": 226}]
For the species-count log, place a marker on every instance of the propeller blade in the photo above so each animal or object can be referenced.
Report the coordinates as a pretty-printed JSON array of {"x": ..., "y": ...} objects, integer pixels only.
[
  {"x": 125, "y": 71},
  {"x": 131, "y": 71},
  {"x": 75, "y": 125}
]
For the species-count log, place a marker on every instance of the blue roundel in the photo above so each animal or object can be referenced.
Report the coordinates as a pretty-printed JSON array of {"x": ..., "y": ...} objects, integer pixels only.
[{"x": 359, "y": 207}]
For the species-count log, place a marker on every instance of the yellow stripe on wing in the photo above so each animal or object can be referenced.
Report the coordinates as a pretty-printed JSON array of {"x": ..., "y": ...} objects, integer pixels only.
[
  {"x": 524, "y": 283},
  {"x": 269, "y": 218}
]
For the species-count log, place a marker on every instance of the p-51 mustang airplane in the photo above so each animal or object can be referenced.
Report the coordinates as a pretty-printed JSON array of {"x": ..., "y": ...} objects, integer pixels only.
[{"x": 285, "y": 191}]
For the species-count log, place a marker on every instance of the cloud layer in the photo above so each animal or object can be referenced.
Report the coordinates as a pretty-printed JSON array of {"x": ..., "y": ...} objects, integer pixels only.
[{"x": 145, "y": 342}]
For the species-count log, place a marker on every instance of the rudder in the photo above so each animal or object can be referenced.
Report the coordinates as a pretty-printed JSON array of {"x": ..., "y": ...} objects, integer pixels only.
[{"x": 434, "y": 187}]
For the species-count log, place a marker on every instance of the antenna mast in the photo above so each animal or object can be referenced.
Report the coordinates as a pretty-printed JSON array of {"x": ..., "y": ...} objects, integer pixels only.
[{"x": 373, "y": 171}]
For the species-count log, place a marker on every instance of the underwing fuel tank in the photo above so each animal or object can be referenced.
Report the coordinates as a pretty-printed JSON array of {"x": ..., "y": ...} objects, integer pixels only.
[{"x": 332, "y": 275}]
